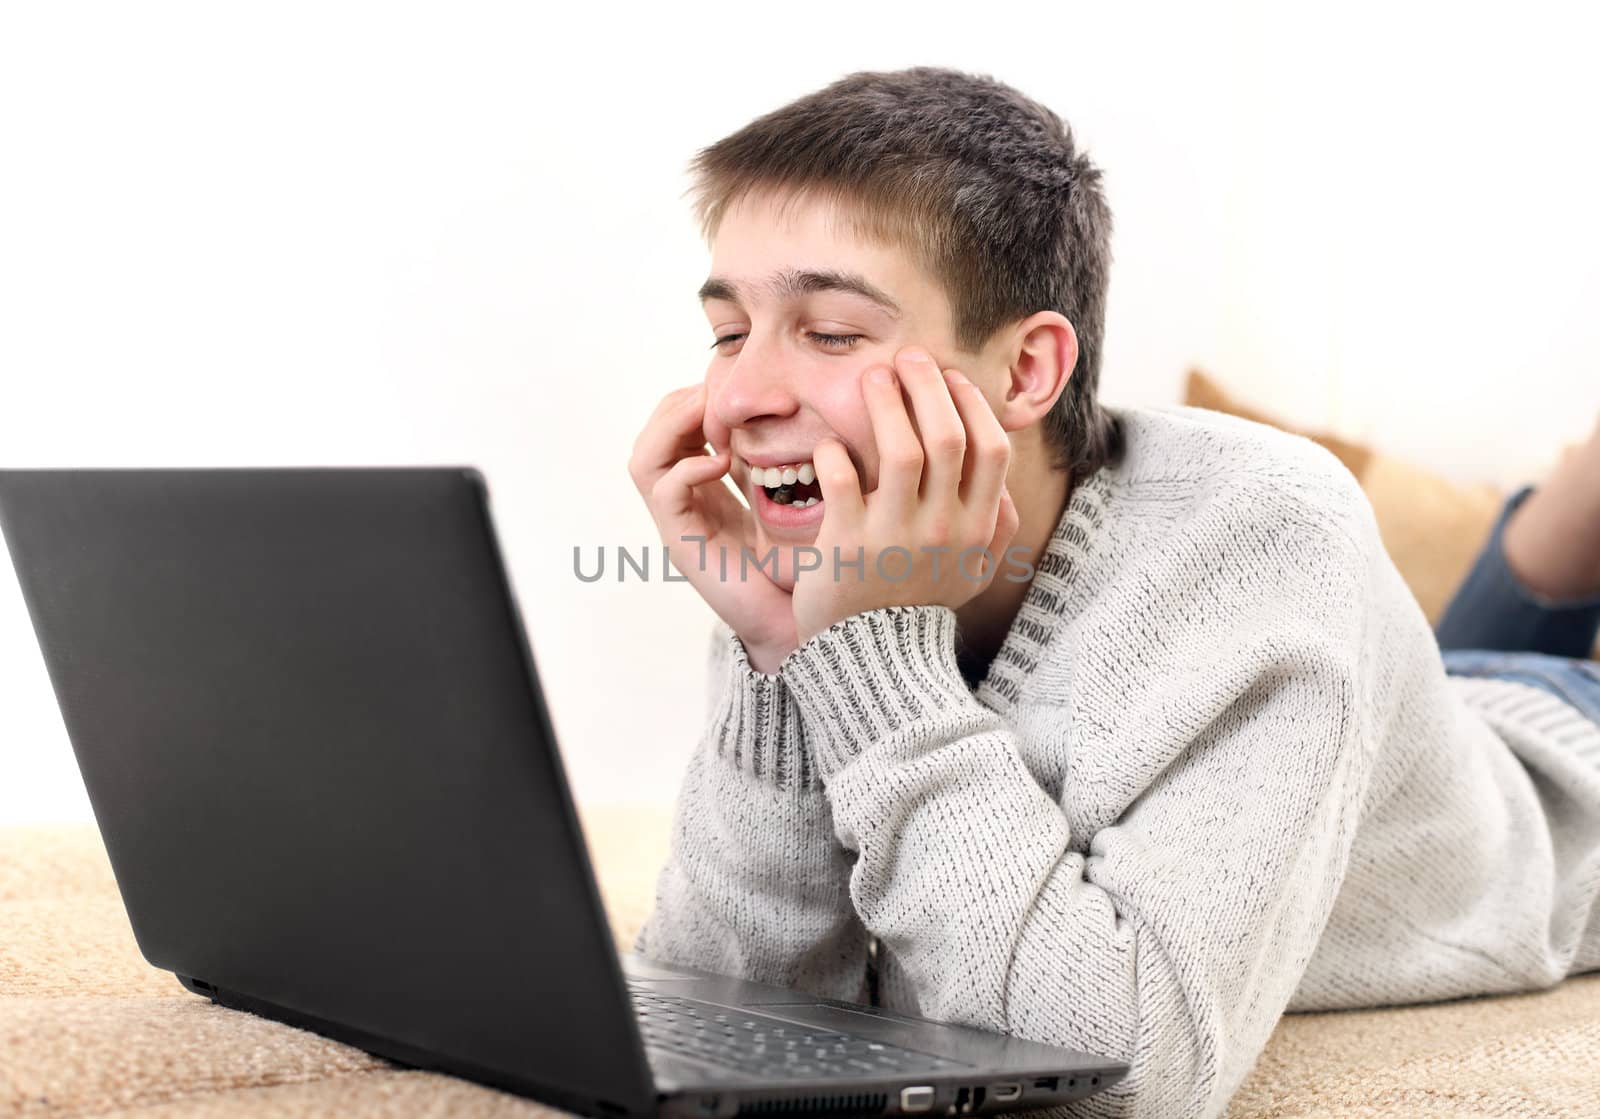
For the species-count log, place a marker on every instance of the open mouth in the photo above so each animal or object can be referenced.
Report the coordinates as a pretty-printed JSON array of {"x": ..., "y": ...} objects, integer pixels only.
[{"x": 795, "y": 484}]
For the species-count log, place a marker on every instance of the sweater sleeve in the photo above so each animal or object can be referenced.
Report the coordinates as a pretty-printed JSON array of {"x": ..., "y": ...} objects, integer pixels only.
[
  {"x": 756, "y": 884},
  {"x": 1176, "y": 943}
]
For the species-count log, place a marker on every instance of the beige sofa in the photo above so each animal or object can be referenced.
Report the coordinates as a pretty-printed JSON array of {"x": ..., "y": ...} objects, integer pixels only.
[{"x": 88, "y": 1028}]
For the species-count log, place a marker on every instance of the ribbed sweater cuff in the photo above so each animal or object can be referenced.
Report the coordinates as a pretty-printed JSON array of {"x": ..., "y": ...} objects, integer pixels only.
[
  {"x": 755, "y": 725},
  {"x": 871, "y": 674}
]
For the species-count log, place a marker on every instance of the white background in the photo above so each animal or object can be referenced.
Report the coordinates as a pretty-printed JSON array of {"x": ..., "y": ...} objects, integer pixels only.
[{"x": 321, "y": 234}]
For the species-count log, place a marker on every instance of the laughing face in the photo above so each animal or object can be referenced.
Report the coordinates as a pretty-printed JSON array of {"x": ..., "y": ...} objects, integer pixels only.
[{"x": 801, "y": 310}]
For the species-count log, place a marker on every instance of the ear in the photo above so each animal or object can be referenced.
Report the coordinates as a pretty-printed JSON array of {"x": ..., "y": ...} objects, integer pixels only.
[{"x": 1044, "y": 356}]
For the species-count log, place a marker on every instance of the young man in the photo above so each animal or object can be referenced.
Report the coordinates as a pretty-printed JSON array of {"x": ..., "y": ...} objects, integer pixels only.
[{"x": 1183, "y": 757}]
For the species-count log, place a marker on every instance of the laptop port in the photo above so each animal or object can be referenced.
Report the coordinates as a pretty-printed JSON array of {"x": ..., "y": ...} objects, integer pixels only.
[
  {"x": 1048, "y": 1083},
  {"x": 919, "y": 1098},
  {"x": 1005, "y": 1093}
]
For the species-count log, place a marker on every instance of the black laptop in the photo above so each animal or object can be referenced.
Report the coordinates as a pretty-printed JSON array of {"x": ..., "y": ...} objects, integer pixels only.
[{"x": 313, "y": 737}]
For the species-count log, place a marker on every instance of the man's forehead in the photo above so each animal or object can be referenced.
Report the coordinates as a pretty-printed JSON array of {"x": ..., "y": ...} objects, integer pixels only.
[{"x": 787, "y": 284}]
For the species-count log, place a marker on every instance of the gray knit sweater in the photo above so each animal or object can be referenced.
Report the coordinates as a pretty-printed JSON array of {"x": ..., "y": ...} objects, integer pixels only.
[{"x": 1216, "y": 772}]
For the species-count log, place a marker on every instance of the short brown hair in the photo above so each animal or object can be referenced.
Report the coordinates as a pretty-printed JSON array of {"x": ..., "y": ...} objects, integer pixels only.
[{"x": 982, "y": 186}]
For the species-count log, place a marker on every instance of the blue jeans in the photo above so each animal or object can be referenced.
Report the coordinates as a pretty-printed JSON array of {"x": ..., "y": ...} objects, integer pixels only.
[{"x": 1494, "y": 626}]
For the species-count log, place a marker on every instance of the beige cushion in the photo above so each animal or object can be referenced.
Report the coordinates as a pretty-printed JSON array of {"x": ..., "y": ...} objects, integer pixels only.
[
  {"x": 88, "y": 1028},
  {"x": 1432, "y": 528}
]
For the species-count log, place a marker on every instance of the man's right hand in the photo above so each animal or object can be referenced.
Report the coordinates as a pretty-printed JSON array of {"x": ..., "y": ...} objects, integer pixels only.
[{"x": 682, "y": 486}]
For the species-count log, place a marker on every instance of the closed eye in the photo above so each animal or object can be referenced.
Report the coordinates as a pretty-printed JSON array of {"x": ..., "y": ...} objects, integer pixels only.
[{"x": 838, "y": 341}]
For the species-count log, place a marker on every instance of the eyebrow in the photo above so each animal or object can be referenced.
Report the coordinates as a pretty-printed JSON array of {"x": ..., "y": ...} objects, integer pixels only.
[{"x": 790, "y": 283}]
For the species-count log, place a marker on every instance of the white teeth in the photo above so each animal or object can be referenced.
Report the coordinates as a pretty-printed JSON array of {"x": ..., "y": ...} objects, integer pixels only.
[
  {"x": 808, "y": 501},
  {"x": 783, "y": 475}
]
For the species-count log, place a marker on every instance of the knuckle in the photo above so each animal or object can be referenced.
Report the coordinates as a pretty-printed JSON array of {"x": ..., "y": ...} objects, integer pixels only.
[
  {"x": 947, "y": 442},
  {"x": 904, "y": 458},
  {"x": 997, "y": 453}
]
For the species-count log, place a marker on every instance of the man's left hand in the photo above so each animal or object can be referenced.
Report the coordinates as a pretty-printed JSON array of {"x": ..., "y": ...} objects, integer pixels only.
[{"x": 940, "y": 502}]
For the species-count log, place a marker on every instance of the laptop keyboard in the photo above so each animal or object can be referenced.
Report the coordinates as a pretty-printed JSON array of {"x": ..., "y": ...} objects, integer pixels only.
[{"x": 752, "y": 1044}]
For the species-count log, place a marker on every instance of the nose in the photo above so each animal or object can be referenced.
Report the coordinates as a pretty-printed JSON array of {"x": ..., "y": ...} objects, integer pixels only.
[{"x": 754, "y": 385}]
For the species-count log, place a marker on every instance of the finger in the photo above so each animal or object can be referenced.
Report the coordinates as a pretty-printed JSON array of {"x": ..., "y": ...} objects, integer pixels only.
[
  {"x": 842, "y": 506},
  {"x": 674, "y": 398},
  {"x": 1005, "y": 533},
  {"x": 724, "y": 502},
  {"x": 944, "y": 438},
  {"x": 1006, "y": 523},
  {"x": 988, "y": 446},
  {"x": 672, "y": 495},
  {"x": 899, "y": 450},
  {"x": 674, "y": 430}
]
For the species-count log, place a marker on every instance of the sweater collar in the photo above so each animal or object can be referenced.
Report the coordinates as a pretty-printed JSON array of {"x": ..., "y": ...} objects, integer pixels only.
[{"x": 1056, "y": 592}]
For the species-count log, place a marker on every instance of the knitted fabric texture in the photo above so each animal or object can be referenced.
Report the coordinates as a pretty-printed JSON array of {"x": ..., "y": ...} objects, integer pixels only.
[{"x": 1215, "y": 773}]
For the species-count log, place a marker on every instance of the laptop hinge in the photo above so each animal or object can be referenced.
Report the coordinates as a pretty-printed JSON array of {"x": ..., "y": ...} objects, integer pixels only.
[{"x": 872, "y": 970}]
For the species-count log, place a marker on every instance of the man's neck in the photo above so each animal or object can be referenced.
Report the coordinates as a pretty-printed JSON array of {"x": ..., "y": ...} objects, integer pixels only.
[{"x": 1040, "y": 493}]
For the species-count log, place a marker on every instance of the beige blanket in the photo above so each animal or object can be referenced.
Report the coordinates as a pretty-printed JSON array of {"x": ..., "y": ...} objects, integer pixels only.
[{"x": 88, "y": 1028}]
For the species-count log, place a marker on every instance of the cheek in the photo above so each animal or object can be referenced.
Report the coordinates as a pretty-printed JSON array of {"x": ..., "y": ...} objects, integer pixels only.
[
  {"x": 838, "y": 401},
  {"x": 843, "y": 410}
]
